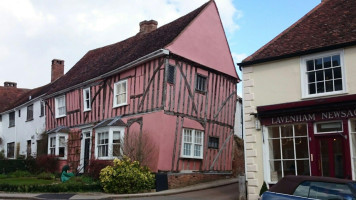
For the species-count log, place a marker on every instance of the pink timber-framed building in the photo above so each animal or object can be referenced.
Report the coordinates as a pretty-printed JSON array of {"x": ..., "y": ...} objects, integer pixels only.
[{"x": 175, "y": 84}]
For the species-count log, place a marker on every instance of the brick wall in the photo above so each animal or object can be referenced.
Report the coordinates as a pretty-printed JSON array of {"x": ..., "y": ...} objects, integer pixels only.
[{"x": 177, "y": 180}]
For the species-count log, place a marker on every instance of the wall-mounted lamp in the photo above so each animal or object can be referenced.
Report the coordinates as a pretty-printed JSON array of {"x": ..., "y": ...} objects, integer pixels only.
[{"x": 257, "y": 124}]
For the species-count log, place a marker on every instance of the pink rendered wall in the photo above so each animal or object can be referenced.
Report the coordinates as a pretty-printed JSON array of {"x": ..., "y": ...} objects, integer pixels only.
[{"x": 204, "y": 42}]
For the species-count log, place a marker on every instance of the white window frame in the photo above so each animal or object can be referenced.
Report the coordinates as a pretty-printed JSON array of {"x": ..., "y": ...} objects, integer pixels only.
[
  {"x": 57, "y": 106},
  {"x": 110, "y": 131},
  {"x": 86, "y": 99},
  {"x": 56, "y": 146},
  {"x": 266, "y": 153},
  {"x": 352, "y": 148},
  {"x": 117, "y": 93},
  {"x": 304, "y": 76},
  {"x": 193, "y": 144}
]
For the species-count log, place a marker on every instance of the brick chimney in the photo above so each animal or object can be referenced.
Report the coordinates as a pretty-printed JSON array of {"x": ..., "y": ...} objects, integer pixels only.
[
  {"x": 10, "y": 84},
  {"x": 148, "y": 26},
  {"x": 57, "y": 69}
]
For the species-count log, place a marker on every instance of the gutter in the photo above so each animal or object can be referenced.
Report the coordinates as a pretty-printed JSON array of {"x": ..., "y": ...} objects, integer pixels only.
[
  {"x": 150, "y": 56},
  {"x": 22, "y": 105}
]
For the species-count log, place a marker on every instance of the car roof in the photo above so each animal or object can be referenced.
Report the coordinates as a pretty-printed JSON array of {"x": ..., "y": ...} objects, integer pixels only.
[{"x": 288, "y": 184}]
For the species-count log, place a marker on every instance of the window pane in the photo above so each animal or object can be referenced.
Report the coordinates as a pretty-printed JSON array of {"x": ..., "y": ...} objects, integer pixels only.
[
  {"x": 337, "y": 72},
  {"x": 198, "y": 137},
  {"x": 327, "y": 62},
  {"x": 311, "y": 77},
  {"x": 329, "y": 86},
  {"x": 276, "y": 170},
  {"x": 319, "y": 75},
  {"x": 329, "y": 127},
  {"x": 323, "y": 190},
  {"x": 336, "y": 60},
  {"x": 187, "y": 135},
  {"x": 197, "y": 150},
  {"x": 288, "y": 148},
  {"x": 274, "y": 149},
  {"x": 273, "y": 132},
  {"x": 170, "y": 74},
  {"x": 338, "y": 85},
  {"x": 61, "y": 151},
  {"x": 320, "y": 87},
  {"x": 303, "y": 167},
  {"x": 116, "y": 150},
  {"x": 328, "y": 74},
  {"x": 289, "y": 167},
  {"x": 318, "y": 63},
  {"x": 301, "y": 144},
  {"x": 302, "y": 190},
  {"x": 300, "y": 130},
  {"x": 116, "y": 137},
  {"x": 287, "y": 131},
  {"x": 310, "y": 65},
  {"x": 187, "y": 149},
  {"x": 312, "y": 89}
]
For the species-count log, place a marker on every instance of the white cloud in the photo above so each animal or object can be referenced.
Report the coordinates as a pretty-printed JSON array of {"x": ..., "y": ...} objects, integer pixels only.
[{"x": 34, "y": 32}]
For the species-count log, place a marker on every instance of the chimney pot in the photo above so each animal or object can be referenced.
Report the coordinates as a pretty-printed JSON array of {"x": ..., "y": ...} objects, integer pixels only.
[
  {"x": 10, "y": 84},
  {"x": 148, "y": 26},
  {"x": 57, "y": 69}
]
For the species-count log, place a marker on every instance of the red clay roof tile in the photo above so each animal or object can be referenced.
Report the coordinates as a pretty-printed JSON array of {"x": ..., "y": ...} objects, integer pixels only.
[{"x": 331, "y": 24}]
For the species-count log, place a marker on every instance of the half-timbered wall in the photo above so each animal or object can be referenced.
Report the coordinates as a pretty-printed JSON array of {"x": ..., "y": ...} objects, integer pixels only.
[{"x": 177, "y": 104}]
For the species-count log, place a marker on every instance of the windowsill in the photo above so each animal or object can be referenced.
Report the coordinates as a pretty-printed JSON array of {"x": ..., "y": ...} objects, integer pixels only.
[
  {"x": 213, "y": 148},
  {"x": 200, "y": 92},
  {"x": 106, "y": 158},
  {"x": 11, "y": 126},
  {"x": 87, "y": 110},
  {"x": 324, "y": 95},
  {"x": 60, "y": 116},
  {"x": 189, "y": 157},
  {"x": 41, "y": 116},
  {"x": 120, "y": 105},
  {"x": 62, "y": 158},
  {"x": 29, "y": 120}
]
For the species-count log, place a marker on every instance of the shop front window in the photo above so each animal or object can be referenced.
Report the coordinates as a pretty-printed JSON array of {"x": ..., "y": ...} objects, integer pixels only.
[
  {"x": 288, "y": 151},
  {"x": 353, "y": 146}
]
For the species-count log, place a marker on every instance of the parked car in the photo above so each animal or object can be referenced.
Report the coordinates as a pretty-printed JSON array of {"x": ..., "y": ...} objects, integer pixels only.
[{"x": 311, "y": 187}]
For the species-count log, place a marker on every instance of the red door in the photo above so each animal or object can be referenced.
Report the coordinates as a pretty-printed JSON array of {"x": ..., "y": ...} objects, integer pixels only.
[{"x": 331, "y": 158}]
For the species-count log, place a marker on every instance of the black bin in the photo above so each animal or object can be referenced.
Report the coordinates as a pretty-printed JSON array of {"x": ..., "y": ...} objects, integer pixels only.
[{"x": 161, "y": 182}]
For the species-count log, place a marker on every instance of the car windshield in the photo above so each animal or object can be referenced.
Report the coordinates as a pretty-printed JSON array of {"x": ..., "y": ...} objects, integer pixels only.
[{"x": 353, "y": 185}]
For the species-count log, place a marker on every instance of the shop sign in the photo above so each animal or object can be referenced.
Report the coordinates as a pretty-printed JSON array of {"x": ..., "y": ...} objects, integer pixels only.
[{"x": 330, "y": 115}]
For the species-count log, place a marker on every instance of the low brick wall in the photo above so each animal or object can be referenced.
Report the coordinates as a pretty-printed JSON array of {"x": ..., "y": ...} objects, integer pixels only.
[{"x": 177, "y": 180}]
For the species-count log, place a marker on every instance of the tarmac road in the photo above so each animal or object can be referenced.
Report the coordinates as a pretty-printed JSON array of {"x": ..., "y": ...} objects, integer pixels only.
[{"x": 226, "y": 192}]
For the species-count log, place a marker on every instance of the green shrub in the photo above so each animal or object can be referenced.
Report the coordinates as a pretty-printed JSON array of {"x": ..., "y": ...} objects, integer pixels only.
[
  {"x": 126, "y": 176},
  {"x": 46, "y": 176},
  {"x": 263, "y": 188},
  {"x": 20, "y": 173}
]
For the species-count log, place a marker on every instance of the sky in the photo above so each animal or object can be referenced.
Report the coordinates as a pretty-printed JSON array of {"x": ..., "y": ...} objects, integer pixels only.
[{"x": 33, "y": 32}]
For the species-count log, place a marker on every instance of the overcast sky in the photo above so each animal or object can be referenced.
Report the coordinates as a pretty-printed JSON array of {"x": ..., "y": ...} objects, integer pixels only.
[{"x": 32, "y": 33}]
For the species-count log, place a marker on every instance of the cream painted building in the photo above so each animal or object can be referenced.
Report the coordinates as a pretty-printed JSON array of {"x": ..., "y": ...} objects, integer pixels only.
[{"x": 299, "y": 99}]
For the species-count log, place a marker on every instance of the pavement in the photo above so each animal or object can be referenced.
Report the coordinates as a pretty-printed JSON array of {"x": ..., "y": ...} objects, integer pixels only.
[{"x": 98, "y": 195}]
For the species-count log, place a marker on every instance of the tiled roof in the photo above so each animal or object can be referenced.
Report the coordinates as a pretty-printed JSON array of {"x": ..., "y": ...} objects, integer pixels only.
[
  {"x": 330, "y": 25},
  {"x": 116, "y": 121},
  {"x": 9, "y": 95},
  {"x": 102, "y": 60}
]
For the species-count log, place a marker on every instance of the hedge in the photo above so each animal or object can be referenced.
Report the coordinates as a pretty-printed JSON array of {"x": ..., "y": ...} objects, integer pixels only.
[
  {"x": 61, "y": 187},
  {"x": 8, "y": 166}
]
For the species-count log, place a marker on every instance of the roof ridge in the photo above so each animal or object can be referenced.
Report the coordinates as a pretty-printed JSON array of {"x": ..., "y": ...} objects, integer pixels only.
[{"x": 285, "y": 31}]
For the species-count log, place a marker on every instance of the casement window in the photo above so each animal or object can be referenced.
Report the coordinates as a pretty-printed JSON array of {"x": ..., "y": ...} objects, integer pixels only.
[
  {"x": 287, "y": 151},
  {"x": 192, "y": 144},
  {"x": 11, "y": 150},
  {"x": 29, "y": 113},
  {"x": 19, "y": 112},
  {"x": 213, "y": 143},
  {"x": 57, "y": 144},
  {"x": 170, "y": 74},
  {"x": 109, "y": 142},
  {"x": 200, "y": 83},
  {"x": 120, "y": 93},
  {"x": 323, "y": 74},
  {"x": 42, "y": 112},
  {"x": 87, "y": 99},
  {"x": 11, "y": 119},
  {"x": 60, "y": 106}
]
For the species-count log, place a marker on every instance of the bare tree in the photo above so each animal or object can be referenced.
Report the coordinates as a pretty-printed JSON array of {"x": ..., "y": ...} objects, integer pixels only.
[{"x": 141, "y": 148}]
